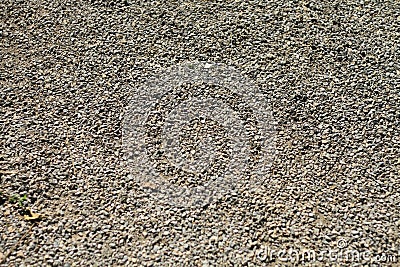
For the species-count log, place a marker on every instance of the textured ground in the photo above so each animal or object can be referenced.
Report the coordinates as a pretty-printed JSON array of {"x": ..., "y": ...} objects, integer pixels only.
[{"x": 329, "y": 69}]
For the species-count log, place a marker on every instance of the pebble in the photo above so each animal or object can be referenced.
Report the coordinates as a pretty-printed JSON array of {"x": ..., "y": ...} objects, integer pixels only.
[{"x": 328, "y": 70}]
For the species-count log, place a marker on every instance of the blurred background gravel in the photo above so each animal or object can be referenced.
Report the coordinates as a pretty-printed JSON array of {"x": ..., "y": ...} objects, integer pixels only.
[{"x": 330, "y": 70}]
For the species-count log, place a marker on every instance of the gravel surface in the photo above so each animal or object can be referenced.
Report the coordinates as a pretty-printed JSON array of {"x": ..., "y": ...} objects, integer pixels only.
[{"x": 330, "y": 71}]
